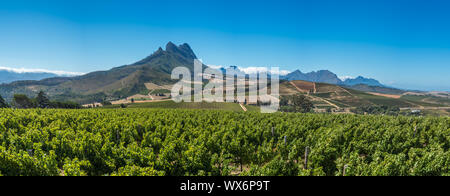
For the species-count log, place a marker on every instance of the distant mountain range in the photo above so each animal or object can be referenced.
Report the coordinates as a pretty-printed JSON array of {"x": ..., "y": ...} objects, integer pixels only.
[
  {"x": 7, "y": 76},
  {"x": 325, "y": 76},
  {"x": 322, "y": 76},
  {"x": 127, "y": 80},
  {"x": 362, "y": 80}
]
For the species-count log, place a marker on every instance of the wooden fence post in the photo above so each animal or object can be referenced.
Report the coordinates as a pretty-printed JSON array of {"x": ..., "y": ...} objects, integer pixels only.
[
  {"x": 415, "y": 131},
  {"x": 345, "y": 168},
  {"x": 306, "y": 158}
]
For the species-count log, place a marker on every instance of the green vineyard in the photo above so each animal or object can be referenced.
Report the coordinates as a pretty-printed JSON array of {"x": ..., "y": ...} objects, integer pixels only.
[{"x": 174, "y": 142}]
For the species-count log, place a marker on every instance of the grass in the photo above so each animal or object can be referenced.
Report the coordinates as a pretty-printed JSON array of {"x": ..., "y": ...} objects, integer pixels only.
[
  {"x": 380, "y": 100},
  {"x": 404, "y": 101},
  {"x": 431, "y": 101},
  {"x": 436, "y": 112}
]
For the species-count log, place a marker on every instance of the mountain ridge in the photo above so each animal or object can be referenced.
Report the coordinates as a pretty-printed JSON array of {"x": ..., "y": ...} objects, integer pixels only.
[
  {"x": 329, "y": 77},
  {"x": 362, "y": 80}
]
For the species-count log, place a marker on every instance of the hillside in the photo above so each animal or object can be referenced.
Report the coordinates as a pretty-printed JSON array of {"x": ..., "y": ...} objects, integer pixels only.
[
  {"x": 334, "y": 96},
  {"x": 376, "y": 89}
]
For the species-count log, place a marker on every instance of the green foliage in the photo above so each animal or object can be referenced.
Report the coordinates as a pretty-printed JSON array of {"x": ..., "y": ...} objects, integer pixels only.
[
  {"x": 388, "y": 110},
  {"x": 65, "y": 105},
  {"x": 106, "y": 103},
  {"x": 30, "y": 162},
  {"x": 3, "y": 103},
  {"x": 154, "y": 142},
  {"x": 188, "y": 105},
  {"x": 296, "y": 103},
  {"x": 137, "y": 171},
  {"x": 42, "y": 100},
  {"x": 22, "y": 101},
  {"x": 75, "y": 167},
  {"x": 161, "y": 92}
]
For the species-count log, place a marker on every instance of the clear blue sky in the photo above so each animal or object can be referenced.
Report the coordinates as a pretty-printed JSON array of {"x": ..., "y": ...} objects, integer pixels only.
[{"x": 403, "y": 43}]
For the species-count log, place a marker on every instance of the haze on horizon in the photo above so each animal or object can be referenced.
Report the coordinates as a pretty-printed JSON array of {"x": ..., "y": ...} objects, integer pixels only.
[{"x": 402, "y": 43}]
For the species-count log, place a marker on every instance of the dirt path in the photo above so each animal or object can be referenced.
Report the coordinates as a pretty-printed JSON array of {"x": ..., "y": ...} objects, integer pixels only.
[
  {"x": 332, "y": 104},
  {"x": 243, "y": 107},
  {"x": 386, "y": 95}
]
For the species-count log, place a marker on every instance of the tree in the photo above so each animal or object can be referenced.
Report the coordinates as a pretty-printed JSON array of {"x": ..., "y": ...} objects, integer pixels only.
[
  {"x": 296, "y": 103},
  {"x": 3, "y": 103},
  {"x": 387, "y": 110},
  {"x": 42, "y": 100},
  {"x": 66, "y": 105},
  {"x": 284, "y": 101},
  {"x": 106, "y": 103},
  {"x": 301, "y": 103},
  {"x": 22, "y": 101}
]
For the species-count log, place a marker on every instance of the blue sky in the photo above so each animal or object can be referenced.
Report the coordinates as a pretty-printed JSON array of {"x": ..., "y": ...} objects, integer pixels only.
[{"x": 403, "y": 43}]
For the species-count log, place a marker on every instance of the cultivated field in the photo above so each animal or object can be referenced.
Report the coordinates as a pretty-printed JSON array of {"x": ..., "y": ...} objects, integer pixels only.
[{"x": 176, "y": 142}]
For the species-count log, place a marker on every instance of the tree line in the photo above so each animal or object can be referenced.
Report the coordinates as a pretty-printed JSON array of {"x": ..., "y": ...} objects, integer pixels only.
[
  {"x": 380, "y": 110},
  {"x": 22, "y": 101},
  {"x": 297, "y": 103}
]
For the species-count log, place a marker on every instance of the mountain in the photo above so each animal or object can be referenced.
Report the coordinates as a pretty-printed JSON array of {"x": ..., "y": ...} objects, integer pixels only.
[
  {"x": 7, "y": 76},
  {"x": 155, "y": 68},
  {"x": 329, "y": 77},
  {"x": 116, "y": 83},
  {"x": 362, "y": 80},
  {"x": 323, "y": 76}
]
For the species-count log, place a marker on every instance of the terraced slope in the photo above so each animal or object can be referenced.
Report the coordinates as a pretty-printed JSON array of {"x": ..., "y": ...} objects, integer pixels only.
[{"x": 329, "y": 95}]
